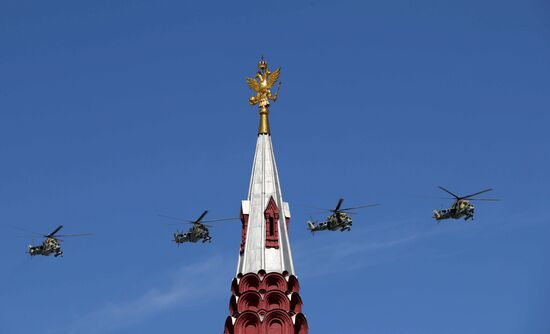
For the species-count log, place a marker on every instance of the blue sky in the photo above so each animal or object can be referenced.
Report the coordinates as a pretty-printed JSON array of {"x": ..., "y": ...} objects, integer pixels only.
[{"x": 114, "y": 112}]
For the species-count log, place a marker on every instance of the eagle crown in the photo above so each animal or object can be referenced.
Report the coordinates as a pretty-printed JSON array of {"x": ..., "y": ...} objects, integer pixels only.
[{"x": 262, "y": 65}]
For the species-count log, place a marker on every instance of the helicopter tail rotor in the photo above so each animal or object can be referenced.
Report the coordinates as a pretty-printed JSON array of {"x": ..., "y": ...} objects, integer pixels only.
[
  {"x": 29, "y": 248},
  {"x": 311, "y": 226}
]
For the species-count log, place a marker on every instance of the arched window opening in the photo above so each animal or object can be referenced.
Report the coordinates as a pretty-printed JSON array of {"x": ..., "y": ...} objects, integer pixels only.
[
  {"x": 271, "y": 227},
  {"x": 271, "y": 215}
]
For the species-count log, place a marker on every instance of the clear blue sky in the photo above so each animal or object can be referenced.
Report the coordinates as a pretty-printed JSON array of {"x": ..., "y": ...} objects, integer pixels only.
[{"x": 112, "y": 112}]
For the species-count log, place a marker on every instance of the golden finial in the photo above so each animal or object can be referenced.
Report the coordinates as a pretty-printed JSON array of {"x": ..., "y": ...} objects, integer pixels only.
[{"x": 261, "y": 84}]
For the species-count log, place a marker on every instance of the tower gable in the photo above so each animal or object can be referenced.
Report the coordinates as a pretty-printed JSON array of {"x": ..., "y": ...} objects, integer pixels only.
[
  {"x": 245, "y": 212},
  {"x": 271, "y": 215}
]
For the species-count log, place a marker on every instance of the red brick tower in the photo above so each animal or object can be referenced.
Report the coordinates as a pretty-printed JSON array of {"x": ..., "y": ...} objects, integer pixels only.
[{"x": 265, "y": 292}]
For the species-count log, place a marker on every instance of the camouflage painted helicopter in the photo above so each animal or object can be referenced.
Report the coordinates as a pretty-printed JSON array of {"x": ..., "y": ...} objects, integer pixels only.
[
  {"x": 339, "y": 219},
  {"x": 461, "y": 206},
  {"x": 52, "y": 243},
  {"x": 198, "y": 232}
]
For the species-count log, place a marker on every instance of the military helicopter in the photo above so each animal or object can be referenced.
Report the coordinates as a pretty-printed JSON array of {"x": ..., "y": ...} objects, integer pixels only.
[
  {"x": 461, "y": 206},
  {"x": 198, "y": 232},
  {"x": 340, "y": 219},
  {"x": 52, "y": 244}
]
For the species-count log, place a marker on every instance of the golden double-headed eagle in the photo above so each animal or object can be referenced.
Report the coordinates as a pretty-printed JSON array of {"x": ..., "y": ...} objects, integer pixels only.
[{"x": 262, "y": 84}]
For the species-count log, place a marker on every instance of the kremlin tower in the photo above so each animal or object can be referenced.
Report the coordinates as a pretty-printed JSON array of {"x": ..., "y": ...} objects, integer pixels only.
[{"x": 265, "y": 295}]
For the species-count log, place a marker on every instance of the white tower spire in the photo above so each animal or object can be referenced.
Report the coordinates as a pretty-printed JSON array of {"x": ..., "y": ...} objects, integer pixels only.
[{"x": 265, "y": 244}]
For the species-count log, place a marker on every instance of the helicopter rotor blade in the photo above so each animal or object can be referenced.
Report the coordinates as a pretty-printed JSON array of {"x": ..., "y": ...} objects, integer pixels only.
[
  {"x": 24, "y": 230},
  {"x": 201, "y": 216},
  {"x": 436, "y": 197},
  {"x": 173, "y": 218},
  {"x": 74, "y": 235},
  {"x": 479, "y": 192},
  {"x": 360, "y": 207},
  {"x": 54, "y": 232},
  {"x": 313, "y": 207},
  {"x": 484, "y": 199},
  {"x": 198, "y": 221},
  {"x": 219, "y": 220},
  {"x": 449, "y": 192},
  {"x": 337, "y": 208},
  {"x": 182, "y": 222}
]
